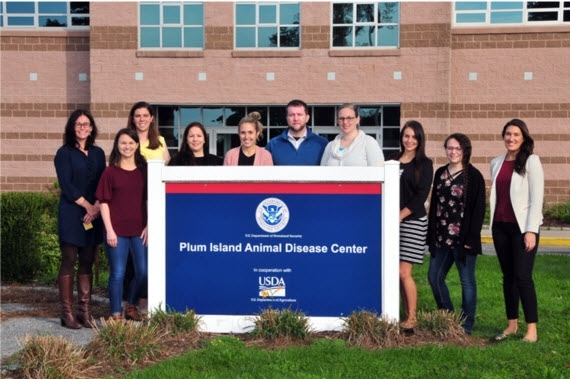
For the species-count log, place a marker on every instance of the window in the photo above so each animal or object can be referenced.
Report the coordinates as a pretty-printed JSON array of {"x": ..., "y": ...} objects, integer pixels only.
[
  {"x": 44, "y": 14},
  {"x": 366, "y": 24},
  {"x": 176, "y": 25},
  {"x": 267, "y": 25},
  {"x": 469, "y": 13},
  {"x": 380, "y": 121}
]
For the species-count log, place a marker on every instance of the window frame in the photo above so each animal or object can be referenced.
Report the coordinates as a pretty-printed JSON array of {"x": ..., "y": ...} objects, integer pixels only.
[
  {"x": 163, "y": 26},
  {"x": 489, "y": 12},
  {"x": 259, "y": 24},
  {"x": 354, "y": 24},
  {"x": 36, "y": 16}
]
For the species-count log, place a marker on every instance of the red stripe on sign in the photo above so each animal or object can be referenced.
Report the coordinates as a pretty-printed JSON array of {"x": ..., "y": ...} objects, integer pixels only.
[{"x": 277, "y": 188}]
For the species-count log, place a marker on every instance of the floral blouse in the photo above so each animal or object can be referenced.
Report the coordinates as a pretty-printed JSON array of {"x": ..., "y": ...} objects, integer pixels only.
[{"x": 449, "y": 211}]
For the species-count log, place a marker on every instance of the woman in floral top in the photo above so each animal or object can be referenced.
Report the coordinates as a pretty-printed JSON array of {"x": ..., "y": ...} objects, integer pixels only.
[{"x": 456, "y": 214}]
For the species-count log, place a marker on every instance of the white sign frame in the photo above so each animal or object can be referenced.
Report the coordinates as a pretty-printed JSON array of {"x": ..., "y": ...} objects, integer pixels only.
[{"x": 388, "y": 175}]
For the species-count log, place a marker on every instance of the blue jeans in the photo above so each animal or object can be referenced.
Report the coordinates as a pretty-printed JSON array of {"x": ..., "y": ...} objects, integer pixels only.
[
  {"x": 439, "y": 266},
  {"x": 118, "y": 263}
]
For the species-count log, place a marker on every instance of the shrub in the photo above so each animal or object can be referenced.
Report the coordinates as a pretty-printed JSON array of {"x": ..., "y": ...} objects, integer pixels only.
[
  {"x": 442, "y": 323},
  {"x": 53, "y": 357},
  {"x": 559, "y": 211},
  {"x": 21, "y": 227},
  {"x": 175, "y": 322},
  {"x": 125, "y": 343},
  {"x": 273, "y": 323},
  {"x": 367, "y": 329}
]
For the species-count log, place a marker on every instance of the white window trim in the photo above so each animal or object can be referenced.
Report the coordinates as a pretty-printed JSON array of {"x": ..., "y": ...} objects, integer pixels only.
[
  {"x": 354, "y": 3},
  {"x": 36, "y": 17},
  {"x": 162, "y": 25},
  {"x": 525, "y": 11},
  {"x": 258, "y": 24}
]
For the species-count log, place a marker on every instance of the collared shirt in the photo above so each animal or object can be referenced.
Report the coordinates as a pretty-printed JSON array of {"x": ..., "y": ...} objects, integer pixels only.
[{"x": 296, "y": 141}]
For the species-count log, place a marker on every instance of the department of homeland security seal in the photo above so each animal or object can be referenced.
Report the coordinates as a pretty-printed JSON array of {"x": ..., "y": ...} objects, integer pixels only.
[{"x": 272, "y": 215}]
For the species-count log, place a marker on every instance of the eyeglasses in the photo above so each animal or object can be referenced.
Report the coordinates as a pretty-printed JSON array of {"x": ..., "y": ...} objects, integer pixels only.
[
  {"x": 451, "y": 148},
  {"x": 84, "y": 125},
  {"x": 343, "y": 119}
]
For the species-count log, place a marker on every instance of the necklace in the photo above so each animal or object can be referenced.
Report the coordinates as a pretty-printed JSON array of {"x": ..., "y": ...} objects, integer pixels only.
[{"x": 451, "y": 177}]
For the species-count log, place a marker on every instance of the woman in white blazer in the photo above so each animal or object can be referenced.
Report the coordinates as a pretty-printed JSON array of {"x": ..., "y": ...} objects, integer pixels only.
[{"x": 517, "y": 193}]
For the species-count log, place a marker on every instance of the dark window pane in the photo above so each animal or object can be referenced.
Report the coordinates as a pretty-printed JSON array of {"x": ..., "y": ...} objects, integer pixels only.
[
  {"x": 274, "y": 132},
  {"x": 80, "y": 21},
  {"x": 365, "y": 12},
  {"x": 342, "y": 36},
  {"x": 53, "y": 21},
  {"x": 391, "y": 116},
  {"x": 370, "y": 117},
  {"x": 168, "y": 134},
  {"x": 277, "y": 116},
  {"x": 79, "y": 7},
  {"x": 543, "y": 16},
  {"x": 342, "y": 13},
  {"x": 233, "y": 115},
  {"x": 289, "y": 37},
  {"x": 323, "y": 116},
  {"x": 165, "y": 115},
  {"x": 391, "y": 137},
  {"x": 542, "y": 4},
  {"x": 566, "y": 16}
]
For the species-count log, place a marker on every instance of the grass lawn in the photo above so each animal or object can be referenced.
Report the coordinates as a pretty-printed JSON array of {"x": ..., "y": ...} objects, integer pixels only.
[{"x": 228, "y": 357}]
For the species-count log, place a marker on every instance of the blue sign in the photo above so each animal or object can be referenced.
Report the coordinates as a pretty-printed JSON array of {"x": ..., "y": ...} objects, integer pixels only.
[{"x": 239, "y": 248}]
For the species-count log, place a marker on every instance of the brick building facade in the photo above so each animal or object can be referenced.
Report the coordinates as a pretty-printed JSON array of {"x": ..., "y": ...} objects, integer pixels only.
[{"x": 451, "y": 78}]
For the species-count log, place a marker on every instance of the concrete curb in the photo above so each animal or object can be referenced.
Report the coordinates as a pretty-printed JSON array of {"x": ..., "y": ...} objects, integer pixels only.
[
  {"x": 544, "y": 241},
  {"x": 549, "y": 236}
]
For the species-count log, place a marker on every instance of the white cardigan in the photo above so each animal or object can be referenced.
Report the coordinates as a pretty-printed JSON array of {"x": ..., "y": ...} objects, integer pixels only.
[
  {"x": 527, "y": 193},
  {"x": 363, "y": 151}
]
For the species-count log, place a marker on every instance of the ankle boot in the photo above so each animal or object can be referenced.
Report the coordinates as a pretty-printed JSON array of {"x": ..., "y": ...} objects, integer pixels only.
[
  {"x": 66, "y": 300},
  {"x": 84, "y": 285}
]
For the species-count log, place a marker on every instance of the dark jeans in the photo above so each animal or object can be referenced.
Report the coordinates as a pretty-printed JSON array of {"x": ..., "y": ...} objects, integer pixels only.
[
  {"x": 439, "y": 267},
  {"x": 516, "y": 265}
]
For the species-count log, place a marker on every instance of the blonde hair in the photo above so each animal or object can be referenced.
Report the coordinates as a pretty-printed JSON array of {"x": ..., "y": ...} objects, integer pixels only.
[{"x": 253, "y": 118}]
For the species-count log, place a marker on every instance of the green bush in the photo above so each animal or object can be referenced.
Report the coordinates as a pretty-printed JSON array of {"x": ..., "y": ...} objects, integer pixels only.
[
  {"x": 21, "y": 227},
  {"x": 560, "y": 212}
]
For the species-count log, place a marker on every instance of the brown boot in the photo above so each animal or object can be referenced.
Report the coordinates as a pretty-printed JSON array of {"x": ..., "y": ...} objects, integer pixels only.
[
  {"x": 84, "y": 285},
  {"x": 66, "y": 300},
  {"x": 132, "y": 313}
]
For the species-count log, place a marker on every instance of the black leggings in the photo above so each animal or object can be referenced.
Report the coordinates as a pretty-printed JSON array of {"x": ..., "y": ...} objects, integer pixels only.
[
  {"x": 516, "y": 265},
  {"x": 69, "y": 254}
]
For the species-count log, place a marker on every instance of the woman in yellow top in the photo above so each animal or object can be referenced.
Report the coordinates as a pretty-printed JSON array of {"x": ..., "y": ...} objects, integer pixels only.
[{"x": 152, "y": 144}]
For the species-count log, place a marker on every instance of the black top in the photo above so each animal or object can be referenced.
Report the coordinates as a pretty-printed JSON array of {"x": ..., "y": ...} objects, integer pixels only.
[
  {"x": 414, "y": 188},
  {"x": 186, "y": 159},
  {"x": 473, "y": 201},
  {"x": 244, "y": 160}
]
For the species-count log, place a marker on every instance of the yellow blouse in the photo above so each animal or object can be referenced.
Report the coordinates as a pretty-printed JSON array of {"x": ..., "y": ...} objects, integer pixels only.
[{"x": 158, "y": 153}]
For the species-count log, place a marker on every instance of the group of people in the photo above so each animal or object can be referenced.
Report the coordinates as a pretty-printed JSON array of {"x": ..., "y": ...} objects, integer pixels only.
[
  {"x": 451, "y": 229},
  {"x": 100, "y": 202}
]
